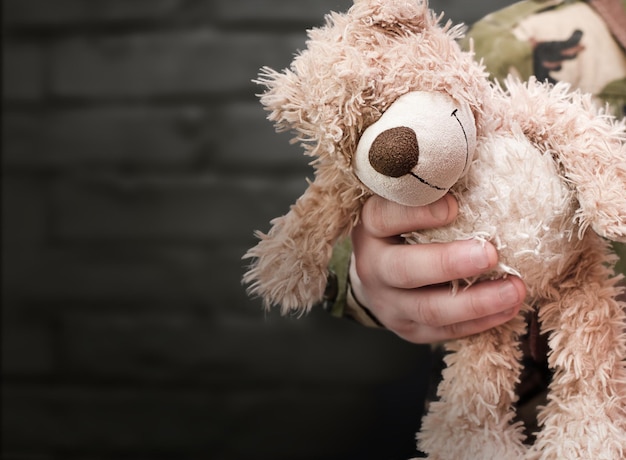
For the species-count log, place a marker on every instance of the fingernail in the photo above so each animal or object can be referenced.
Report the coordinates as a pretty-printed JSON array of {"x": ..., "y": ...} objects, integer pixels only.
[
  {"x": 479, "y": 257},
  {"x": 508, "y": 293},
  {"x": 439, "y": 209}
]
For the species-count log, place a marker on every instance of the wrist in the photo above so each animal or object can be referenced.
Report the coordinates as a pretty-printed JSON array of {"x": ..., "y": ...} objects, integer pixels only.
[{"x": 354, "y": 308}]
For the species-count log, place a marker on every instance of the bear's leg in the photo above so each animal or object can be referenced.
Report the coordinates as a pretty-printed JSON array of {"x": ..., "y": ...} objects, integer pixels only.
[
  {"x": 473, "y": 417},
  {"x": 586, "y": 412}
]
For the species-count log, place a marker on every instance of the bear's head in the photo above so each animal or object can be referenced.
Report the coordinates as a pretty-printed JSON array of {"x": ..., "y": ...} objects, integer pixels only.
[{"x": 383, "y": 92}]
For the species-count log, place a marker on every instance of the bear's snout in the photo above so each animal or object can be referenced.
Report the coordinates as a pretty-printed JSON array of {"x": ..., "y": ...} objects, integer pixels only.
[
  {"x": 418, "y": 148},
  {"x": 395, "y": 152}
]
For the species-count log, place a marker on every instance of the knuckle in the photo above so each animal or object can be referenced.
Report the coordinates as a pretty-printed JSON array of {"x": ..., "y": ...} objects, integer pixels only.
[
  {"x": 447, "y": 261},
  {"x": 476, "y": 306},
  {"x": 456, "y": 330},
  {"x": 427, "y": 313},
  {"x": 373, "y": 217},
  {"x": 397, "y": 269}
]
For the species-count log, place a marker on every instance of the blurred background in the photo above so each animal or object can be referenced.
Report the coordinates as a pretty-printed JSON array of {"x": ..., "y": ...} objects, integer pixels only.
[{"x": 136, "y": 164}]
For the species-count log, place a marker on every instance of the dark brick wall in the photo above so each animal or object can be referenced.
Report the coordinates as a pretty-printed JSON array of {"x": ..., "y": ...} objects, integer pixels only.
[{"x": 136, "y": 163}]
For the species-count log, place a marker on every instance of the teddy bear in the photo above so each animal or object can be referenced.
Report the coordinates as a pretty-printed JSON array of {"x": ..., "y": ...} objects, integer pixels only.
[{"x": 385, "y": 102}]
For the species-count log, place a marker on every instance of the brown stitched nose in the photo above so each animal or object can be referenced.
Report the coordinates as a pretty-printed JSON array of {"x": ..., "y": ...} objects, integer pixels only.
[{"x": 394, "y": 152}]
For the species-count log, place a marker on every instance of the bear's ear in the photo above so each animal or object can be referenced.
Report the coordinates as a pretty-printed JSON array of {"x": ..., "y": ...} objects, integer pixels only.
[
  {"x": 323, "y": 74},
  {"x": 283, "y": 97},
  {"x": 395, "y": 17}
]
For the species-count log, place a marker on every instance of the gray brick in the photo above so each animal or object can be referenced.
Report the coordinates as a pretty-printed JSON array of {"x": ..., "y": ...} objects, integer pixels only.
[
  {"x": 236, "y": 136},
  {"x": 70, "y": 418},
  {"x": 201, "y": 62},
  {"x": 306, "y": 423},
  {"x": 106, "y": 275},
  {"x": 248, "y": 140},
  {"x": 64, "y": 12},
  {"x": 127, "y": 277},
  {"x": 160, "y": 208},
  {"x": 8, "y": 455},
  {"x": 279, "y": 10},
  {"x": 24, "y": 201},
  {"x": 24, "y": 227},
  {"x": 22, "y": 71},
  {"x": 188, "y": 346},
  {"x": 68, "y": 12},
  {"x": 148, "y": 137},
  {"x": 27, "y": 344},
  {"x": 215, "y": 422},
  {"x": 219, "y": 282},
  {"x": 26, "y": 340}
]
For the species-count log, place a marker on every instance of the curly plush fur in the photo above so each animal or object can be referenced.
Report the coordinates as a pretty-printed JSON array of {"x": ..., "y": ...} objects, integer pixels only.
[{"x": 546, "y": 185}]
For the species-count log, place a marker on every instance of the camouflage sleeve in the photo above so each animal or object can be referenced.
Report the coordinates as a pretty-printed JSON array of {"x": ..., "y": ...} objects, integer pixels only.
[
  {"x": 499, "y": 50},
  {"x": 615, "y": 95},
  {"x": 337, "y": 286},
  {"x": 339, "y": 300},
  {"x": 620, "y": 267},
  {"x": 494, "y": 42}
]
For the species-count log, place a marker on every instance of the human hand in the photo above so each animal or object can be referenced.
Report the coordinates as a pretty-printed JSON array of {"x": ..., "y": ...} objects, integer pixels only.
[{"x": 406, "y": 286}]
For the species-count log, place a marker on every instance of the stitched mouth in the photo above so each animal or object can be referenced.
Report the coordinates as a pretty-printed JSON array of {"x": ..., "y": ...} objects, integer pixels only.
[
  {"x": 423, "y": 181},
  {"x": 436, "y": 187}
]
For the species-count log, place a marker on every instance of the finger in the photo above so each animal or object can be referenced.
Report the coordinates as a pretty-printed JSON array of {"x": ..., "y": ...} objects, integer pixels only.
[
  {"x": 436, "y": 315},
  {"x": 438, "y": 307},
  {"x": 382, "y": 218},
  {"x": 424, "y": 334},
  {"x": 413, "y": 266}
]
